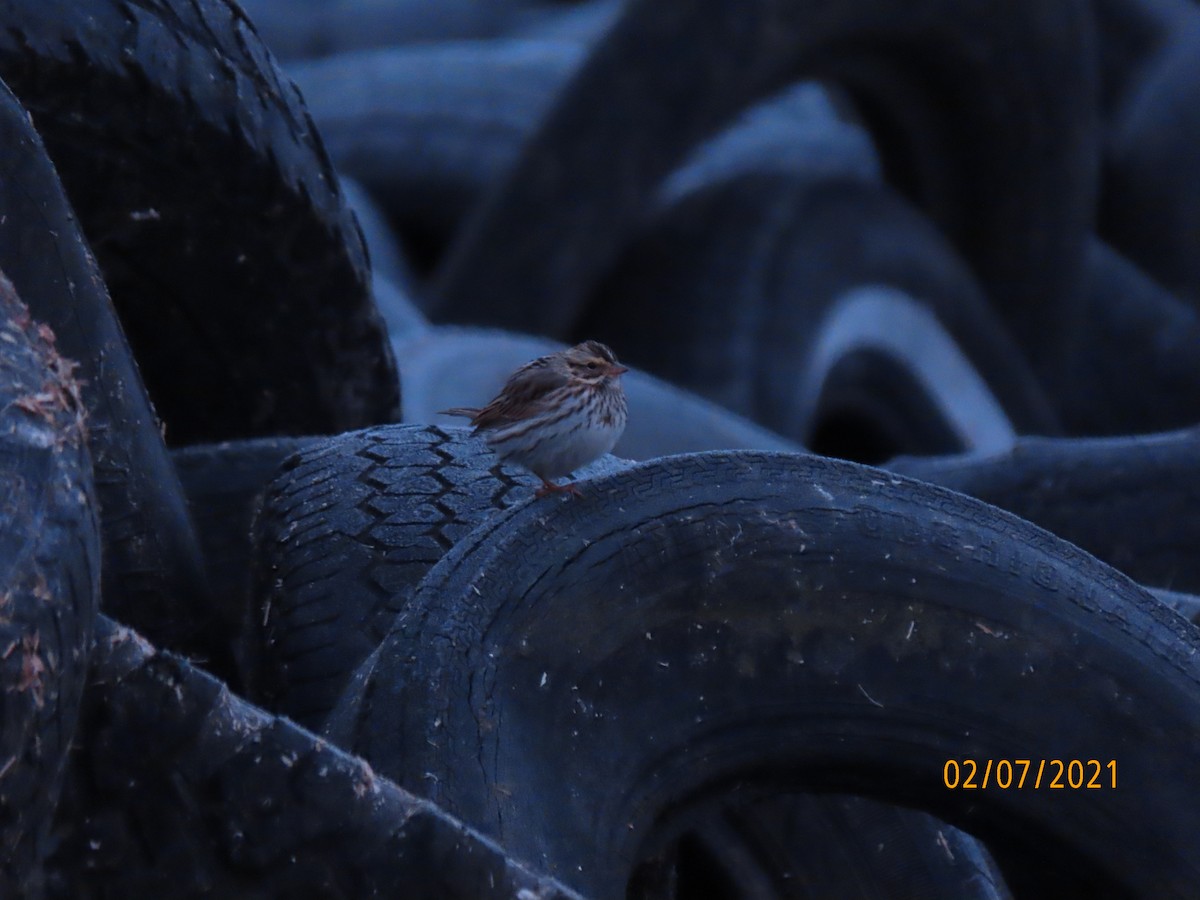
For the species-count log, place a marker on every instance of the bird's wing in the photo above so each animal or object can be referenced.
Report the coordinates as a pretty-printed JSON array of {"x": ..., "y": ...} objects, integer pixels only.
[{"x": 523, "y": 397}]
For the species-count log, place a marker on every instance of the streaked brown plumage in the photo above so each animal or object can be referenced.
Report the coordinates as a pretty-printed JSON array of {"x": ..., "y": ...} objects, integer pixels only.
[{"x": 556, "y": 413}]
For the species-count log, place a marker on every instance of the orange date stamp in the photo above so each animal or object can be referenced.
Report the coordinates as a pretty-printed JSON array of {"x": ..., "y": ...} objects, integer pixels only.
[{"x": 1030, "y": 774}]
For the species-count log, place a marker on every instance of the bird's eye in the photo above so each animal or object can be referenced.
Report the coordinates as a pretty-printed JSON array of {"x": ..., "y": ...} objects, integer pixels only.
[{"x": 593, "y": 365}]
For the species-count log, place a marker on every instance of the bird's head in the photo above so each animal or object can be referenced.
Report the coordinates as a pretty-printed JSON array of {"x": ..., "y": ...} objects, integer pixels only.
[{"x": 594, "y": 362}]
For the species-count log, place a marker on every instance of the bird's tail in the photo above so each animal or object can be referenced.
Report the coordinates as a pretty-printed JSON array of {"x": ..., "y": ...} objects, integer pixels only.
[{"x": 465, "y": 411}]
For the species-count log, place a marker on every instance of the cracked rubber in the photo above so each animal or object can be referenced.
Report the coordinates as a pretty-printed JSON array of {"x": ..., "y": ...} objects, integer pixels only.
[
  {"x": 185, "y": 790},
  {"x": 237, "y": 269},
  {"x": 49, "y": 584},
  {"x": 153, "y": 572},
  {"x": 724, "y": 618},
  {"x": 985, "y": 114},
  {"x": 345, "y": 532}
]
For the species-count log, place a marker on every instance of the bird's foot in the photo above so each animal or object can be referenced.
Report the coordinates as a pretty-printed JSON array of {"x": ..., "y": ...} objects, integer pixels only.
[{"x": 549, "y": 487}]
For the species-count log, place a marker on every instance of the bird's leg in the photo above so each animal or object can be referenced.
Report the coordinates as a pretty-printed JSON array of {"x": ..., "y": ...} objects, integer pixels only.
[{"x": 549, "y": 487}]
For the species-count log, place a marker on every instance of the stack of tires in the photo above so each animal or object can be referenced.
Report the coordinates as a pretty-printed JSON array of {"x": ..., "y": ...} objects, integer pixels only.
[{"x": 886, "y": 592}]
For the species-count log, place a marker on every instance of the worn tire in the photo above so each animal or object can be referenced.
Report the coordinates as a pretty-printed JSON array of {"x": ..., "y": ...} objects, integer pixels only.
[
  {"x": 345, "y": 532},
  {"x": 49, "y": 582},
  {"x": 388, "y": 261},
  {"x": 710, "y": 620},
  {"x": 1130, "y": 34},
  {"x": 153, "y": 570},
  {"x": 583, "y": 22},
  {"x": 801, "y": 302},
  {"x": 802, "y": 130},
  {"x": 1133, "y": 367},
  {"x": 985, "y": 114},
  {"x": 801, "y": 846},
  {"x": 400, "y": 312},
  {"x": 345, "y": 537},
  {"x": 428, "y": 129},
  {"x": 1128, "y": 500},
  {"x": 223, "y": 484},
  {"x": 238, "y": 271},
  {"x": 185, "y": 790},
  {"x": 1150, "y": 204},
  {"x": 304, "y": 29}
]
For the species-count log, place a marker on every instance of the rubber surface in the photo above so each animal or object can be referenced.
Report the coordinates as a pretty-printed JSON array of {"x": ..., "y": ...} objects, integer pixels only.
[
  {"x": 153, "y": 571},
  {"x": 383, "y": 245},
  {"x": 238, "y": 271},
  {"x": 704, "y": 620},
  {"x": 1129, "y": 500},
  {"x": 223, "y": 484},
  {"x": 809, "y": 847},
  {"x": 185, "y": 790},
  {"x": 400, "y": 313},
  {"x": 302, "y": 29},
  {"x": 345, "y": 536},
  {"x": 429, "y": 128},
  {"x": 49, "y": 583},
  {"x": 1130, "y": 33},
  {"x": 984, "y": 113},
  {"x": 345, "y": 533},
  {"x": 733, "y": 291},
  {"x": 803, "y": 130},
  {"x": 1151, "y": 381},
  {"x": 1150, "y": 206}
]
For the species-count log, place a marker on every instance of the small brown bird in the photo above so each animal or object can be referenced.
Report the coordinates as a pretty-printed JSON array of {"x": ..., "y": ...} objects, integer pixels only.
[{"x": 556, "y": 413}]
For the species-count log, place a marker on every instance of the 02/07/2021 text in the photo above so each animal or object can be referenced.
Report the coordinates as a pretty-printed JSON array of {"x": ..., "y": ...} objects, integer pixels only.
[{"x": 1030, "y": 774}]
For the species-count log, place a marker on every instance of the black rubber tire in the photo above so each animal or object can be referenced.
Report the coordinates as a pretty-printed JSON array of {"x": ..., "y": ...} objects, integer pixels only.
[
  {"x": 707, "y": 620},
  {"x": 49, "y": 584},
  {"x": 811, "y": 847},
  {"x": 1131, "y": 501},
  {"x": 985, "y": 114},
  {"x": 184, "y": 790},
  {"x": 238, "y": 271},
  {"x": 427, "y": 129},
  {"x": 383, "y": 244},
  {"x": 153, "y": 571},
  {"x": 735, "y": 293},
  {"x": 224, "y": 484},
  {"x": 1187, "y": 605},
  {"x": 303, "y": 29},
  {"x": 345, "y": 533},
  {"x": 1134, "y": 366},
  {"x": 1150, "y": 203},
  {"x": 448, "y": 366},
  {"x": 583, "y": 22},
  {"x": 1130, "y": 33},
  {"x": 400, "y": 312},
  {"x": 802, "y": 130}
]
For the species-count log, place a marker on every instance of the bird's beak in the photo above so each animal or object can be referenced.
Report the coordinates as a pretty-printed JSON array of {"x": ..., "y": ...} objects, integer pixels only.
[{"x": 615, "y": 369}]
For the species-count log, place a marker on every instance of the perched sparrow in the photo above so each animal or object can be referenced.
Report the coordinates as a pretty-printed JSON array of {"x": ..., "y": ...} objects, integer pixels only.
[{"x": 556, "y": 413}]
